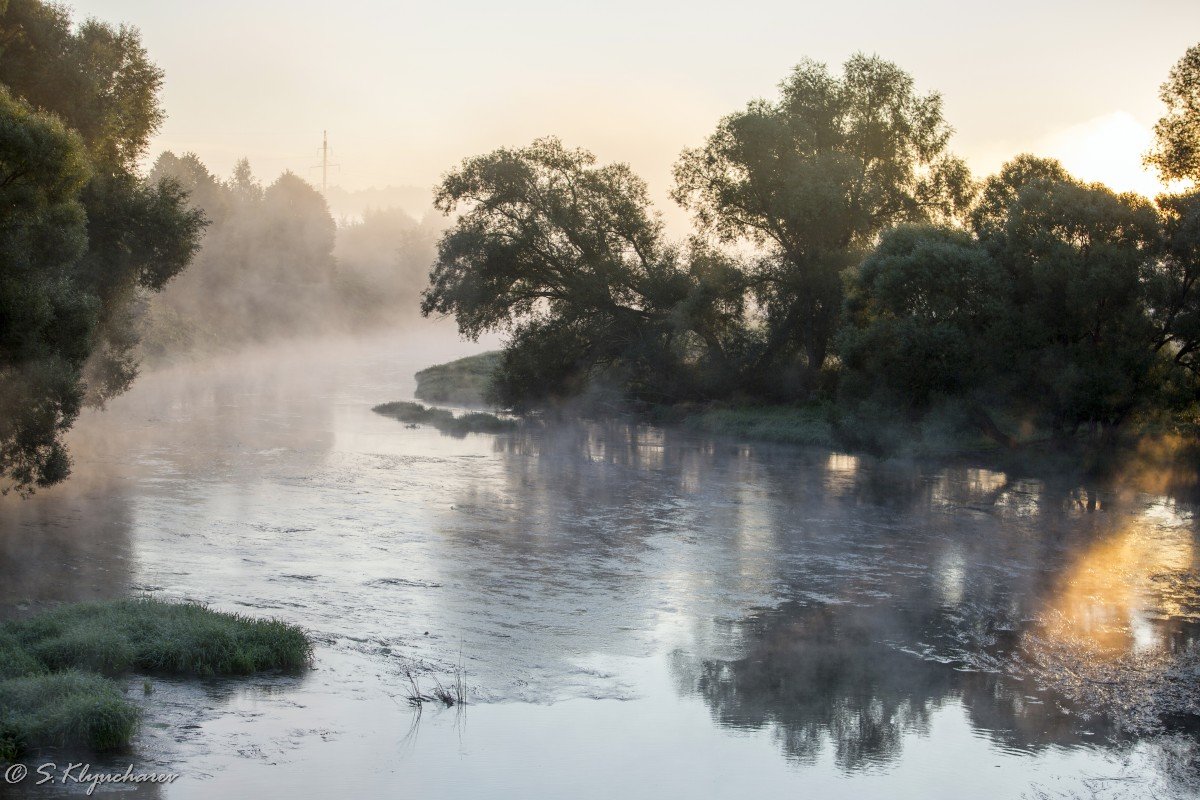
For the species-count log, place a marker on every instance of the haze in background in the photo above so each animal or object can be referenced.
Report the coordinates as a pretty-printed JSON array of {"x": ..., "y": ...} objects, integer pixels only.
[{"x": 407, "y": 90}]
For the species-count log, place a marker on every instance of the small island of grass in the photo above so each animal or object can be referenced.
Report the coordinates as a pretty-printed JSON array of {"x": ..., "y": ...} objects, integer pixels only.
[
  {"x": 444, "y": 420},
  {"x": 57, "y": 669}
]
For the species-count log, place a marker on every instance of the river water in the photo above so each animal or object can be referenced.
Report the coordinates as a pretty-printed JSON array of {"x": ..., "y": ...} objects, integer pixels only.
[{"x": 635, "y": 612}]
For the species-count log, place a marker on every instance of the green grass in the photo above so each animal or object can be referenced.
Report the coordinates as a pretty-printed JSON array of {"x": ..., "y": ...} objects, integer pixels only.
[
  {"x": 64, "y": 709},
  {"x": 462, "y": 382},
  {"x": 55, "y": 668},
  {"x": 443, "y": 420},
  {"x": 806, "y": 425}
]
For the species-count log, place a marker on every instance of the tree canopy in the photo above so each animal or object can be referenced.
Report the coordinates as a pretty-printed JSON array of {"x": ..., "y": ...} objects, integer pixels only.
[
  {"x": 570, "y": 259},
  {"x": 813, "y": 178},
  {"x": 1176, "y": 152},
  {"x": 1029, "y": 301},
  {"x": 80, "y": 102}
]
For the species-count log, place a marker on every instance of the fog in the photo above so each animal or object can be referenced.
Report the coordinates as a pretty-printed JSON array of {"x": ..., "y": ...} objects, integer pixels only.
[{"x": 274, "y": 263}]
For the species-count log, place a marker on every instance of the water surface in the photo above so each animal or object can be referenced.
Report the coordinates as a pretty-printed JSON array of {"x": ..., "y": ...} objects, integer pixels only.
[{"x": 638, "y": 612}]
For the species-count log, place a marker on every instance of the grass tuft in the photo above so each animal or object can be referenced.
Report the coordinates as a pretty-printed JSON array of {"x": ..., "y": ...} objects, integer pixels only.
[
  {"x": 150, "y": 635},
  {"x": 64, "y": 709},
  {"x": 54, "y": 689}
]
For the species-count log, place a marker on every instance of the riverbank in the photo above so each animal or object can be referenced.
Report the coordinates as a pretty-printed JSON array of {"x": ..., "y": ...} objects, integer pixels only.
[
  {"x": 951, "y": 434},
  {"x": 462, "y": 382}
]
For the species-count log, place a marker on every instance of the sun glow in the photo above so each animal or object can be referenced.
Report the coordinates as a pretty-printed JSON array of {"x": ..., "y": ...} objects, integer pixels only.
[{"x": 1109, "y": 150}]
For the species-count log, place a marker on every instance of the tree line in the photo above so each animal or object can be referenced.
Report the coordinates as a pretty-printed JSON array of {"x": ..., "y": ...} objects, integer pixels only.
[
  {"x": 842, "y": 253},
  {"x": 274, "y": 263}
]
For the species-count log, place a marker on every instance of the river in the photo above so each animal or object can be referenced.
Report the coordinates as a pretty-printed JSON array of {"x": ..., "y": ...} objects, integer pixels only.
[{"x": 635, "y": 612}]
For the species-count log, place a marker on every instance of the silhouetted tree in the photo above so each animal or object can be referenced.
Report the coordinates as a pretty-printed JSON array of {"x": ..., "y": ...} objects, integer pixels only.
[
  {"x": 1176, "y": 152},
  {"x": 813, "y": 178},
  {"x": 570, "y": 260}
]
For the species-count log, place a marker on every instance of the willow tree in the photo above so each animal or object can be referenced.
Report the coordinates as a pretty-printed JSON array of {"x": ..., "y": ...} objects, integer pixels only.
[
  {"x": 812, "y": 178},
  {"x": 1175, "y": 285},
  {"x": 569, "y": 260},
  {"x": 1176, "y": 152}
]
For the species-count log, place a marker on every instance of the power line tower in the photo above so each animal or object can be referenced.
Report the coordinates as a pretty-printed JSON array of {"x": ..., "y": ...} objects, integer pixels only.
[{"x": 325, "y": 165}]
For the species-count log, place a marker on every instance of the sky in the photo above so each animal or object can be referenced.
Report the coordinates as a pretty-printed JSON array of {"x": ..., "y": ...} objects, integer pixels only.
[{"x": 407, "y": 90}]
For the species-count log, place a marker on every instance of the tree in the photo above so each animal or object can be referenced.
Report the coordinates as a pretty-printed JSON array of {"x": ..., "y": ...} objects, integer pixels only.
[
  {"x": 100, "y": 83},
  {"x": 924, "y": 318},
  {"x": 568, "y": 259},
  {"x": 1046, "y": 309},
  {"x": 1174, "y": 287},
  {"x": 46, "y": 319},
  {"x": 813, "y": 179},
  {"x": 1079, "y": 257},
  {"x": 97, "y": 78},
  {"x": 1176, "y": 152}
]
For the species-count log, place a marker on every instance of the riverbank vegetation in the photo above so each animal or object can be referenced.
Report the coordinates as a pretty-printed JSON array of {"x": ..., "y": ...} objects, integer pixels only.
[
  {"x": 843, "y": 258},
  {"x": 57, "y": 668}
]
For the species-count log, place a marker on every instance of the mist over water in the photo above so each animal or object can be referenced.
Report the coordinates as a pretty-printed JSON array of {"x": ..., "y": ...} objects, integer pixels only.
[{"x": 638, "y": 611}]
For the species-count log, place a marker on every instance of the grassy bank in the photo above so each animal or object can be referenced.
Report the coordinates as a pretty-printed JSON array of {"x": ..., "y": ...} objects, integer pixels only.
[
  {"x": 805, "y": 425},
  {"x": 463, "y": 382},
  {"x": 445, "y": 421},
  {"x": 57, "y": 668}
]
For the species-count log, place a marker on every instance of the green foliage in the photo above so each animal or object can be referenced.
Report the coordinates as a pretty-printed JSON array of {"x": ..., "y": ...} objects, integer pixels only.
[
  {"x": 1174, "y": 286},
  {"x": 97, "y": 78},
  {"x": 47, "y": 317},
  {"x": 1176, "y": 152},
  {"x": 84, "y": 236},
  {"x": 52, "y": 666},
  {"x": 1046, "y": 309},
  {"x": 803, "y": 425},
  {"x": 444, "y": 420},
  {"x": 569, "y": 259},
  {"x": 465, "y": 381},
  {"x": 64, "y": 709},
  {"x": 812, "y": 179},
  {"x": 1029, "y": 305},
  {"x": 924, "y": 315}
]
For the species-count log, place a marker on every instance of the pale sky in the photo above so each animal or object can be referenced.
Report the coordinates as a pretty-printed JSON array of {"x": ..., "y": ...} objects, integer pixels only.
[{"x": 407, "y": 90}]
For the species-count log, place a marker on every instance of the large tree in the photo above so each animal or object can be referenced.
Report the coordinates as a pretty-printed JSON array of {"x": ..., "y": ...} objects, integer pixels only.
[
  {"x": 45, "y": 318},
  {"x": 100, "y": 83},
  {"x": 813, "y": 178},
  {"x": 1045, "y": 309},
  {"x": 569, "y": 260},
  {"x": 1176, "y": 152}
]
